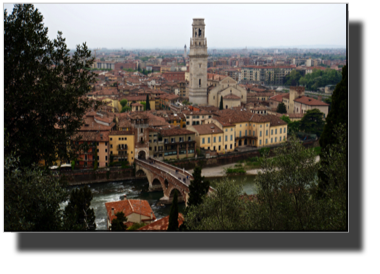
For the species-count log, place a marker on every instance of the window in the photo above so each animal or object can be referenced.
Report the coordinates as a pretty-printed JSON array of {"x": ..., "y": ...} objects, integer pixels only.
[
  {"x": 284, "y": 129},
  {"x": 203, "y": 140},
  {"x": 275, "y": 131},
  {"x": 266, "y": 133},
  {"x": 199, "y": 81},
  {"x": 189, "y": 138},
  {"x": 280, "y": 131},
  {"x": 275, "y": 140},
  {"x": 110, "y": 139},
  {"x": 226, "y": 138},
  {"x": 226, "y": 130},
  {"x": 266, "y": 141},
  {"x": 230, "y": 146},
  {"x": 172, "y": 140},
  {"x": 280, "y": 138},
  {"x": 119, "y": 139},
  {"x": 220, "y": 138},
  {"x": 261, "y": 125},
  {"x": 260, "y": 133},
  {"x": 231, "y": 129},
  {"x": 231, "y": 137},
  {"x": 271, "y": 132},
  {"x": 271, "y": 140},
  {"x": 141, "y": 130},
  {"x": 239, "y": 133},
  {"x": 245, "y": 132},
  {"x": 209, "y": 139},
  {"x": 106, "y": 150},
  {"x": 225, "y": 147},
  {"x": 219, "y": 148},
  {"x": 110, "y": 146},
  {"x": 106, "y": 158},
  {"x": 260, "y": 142},
  {"x": 240, "y": 125},
  {"x": 97, "y": 150}
]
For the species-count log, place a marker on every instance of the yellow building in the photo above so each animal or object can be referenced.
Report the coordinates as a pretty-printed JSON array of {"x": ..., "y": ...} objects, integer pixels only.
[
  {"x": 208, "y": 136},
  {"x": 122, "y": 146},
  {"x": 114, "y": 103},
  {"x": 251, "y": 129}
]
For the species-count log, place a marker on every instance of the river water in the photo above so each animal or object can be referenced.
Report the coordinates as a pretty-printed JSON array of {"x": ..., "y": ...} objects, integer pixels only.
[{"x": 138, "y": 189}]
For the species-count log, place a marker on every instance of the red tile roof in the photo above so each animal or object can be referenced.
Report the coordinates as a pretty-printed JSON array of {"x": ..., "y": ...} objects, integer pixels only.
[
  {"x": 310, "y": 101},
  {"x": 207, "y": 129},
  {"x": 128, "y": 207},
  {"x": 162, "y": 224}
]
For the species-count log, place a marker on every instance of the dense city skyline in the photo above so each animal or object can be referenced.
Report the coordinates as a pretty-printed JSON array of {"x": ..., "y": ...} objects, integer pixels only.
[{"x": 168, "y": 26}]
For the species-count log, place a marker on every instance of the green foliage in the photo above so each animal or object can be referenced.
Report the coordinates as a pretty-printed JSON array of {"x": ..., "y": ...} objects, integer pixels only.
[
  {"x": 235, "y": 170},
  {"x": 46, "y": 84},
  {"x": 31, "y": 197},
  {"x": 320, "y": 78},
  {"x": 312, "y": 122},
  {"x": 292, "y": 79},
  {"x": 173, "y": 217},
  {"x": 221, "y": 103},
  {"x": 114, "y": 84},
  {"x": 287, "y": 194},
  {"x": 125, "y": 109},
  {"x": 129, "y": 70},
  {"x": 117, "y": 224},
  {"x": 136, "y": 226},
  {"x": 123, "y": 102},
  {"x": 78, "y": 214},
  {"x": 264, "y": 151},
  {"x": 285, "y": 119},
  {"x": 147, "y": 102},
  {"x": 281, "y": 108},
  {"x": 144, "y": 104},
  {"x": 72, "y": 164},
  {"x": 102, "y": 59},
  {"x": 338, "y": 115},
  {"x": 198, "y": 188}
]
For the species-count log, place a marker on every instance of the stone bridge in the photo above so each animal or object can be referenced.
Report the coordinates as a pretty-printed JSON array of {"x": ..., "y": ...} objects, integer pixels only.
[{"x": 164, "y": 177}]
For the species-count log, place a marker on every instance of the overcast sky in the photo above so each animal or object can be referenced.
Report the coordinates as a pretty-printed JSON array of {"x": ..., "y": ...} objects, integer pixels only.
[{"x": 169, "y": 25}]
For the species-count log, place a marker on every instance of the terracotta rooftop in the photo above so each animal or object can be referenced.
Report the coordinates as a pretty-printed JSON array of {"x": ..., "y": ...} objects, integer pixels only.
[
  {"x": 128, "y": 207},
  {"x": 310, "y": 101},
  {"x": 120, "y": 132},
  {"x": 231, "y": 97},
  {"x": 207, "y": 129},
  {"x": 162, "y": 224},
  {"x": 175, "y": 131},
  {"x": 277, "y": 98}
]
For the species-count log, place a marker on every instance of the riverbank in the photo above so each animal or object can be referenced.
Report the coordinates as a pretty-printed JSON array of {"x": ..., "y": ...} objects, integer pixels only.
[{"x": 220, "y": 171}]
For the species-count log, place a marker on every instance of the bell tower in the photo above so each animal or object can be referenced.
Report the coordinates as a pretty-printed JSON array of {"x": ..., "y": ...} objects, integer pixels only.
[{"x": 198, "y": 63}]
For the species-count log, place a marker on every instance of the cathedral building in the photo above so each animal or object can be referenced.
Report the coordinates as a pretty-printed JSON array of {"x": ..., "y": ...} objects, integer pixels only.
[{"x": 200, "y": 91}]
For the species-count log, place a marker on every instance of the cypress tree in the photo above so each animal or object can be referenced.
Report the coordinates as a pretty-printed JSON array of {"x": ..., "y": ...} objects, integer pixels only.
[
  {"x": 118, "y": 223},
  {"x": 147, "y": 102},
  {"x": 337, "y": 115},
  {"x": 78, "y": 213},
  {"x": 173, "y": 217},
  {"x": 198, "y": 188},
  {"x": 281, "y": 108},
  {"x": 221, "y": 103}
]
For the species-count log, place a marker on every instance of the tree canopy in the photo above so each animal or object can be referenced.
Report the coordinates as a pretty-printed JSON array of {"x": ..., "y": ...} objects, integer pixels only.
[
  {"x": 117, "y": 224},
  {"x": 198, "y": 188},
  {"x": 281, "y": 108},
  {"x": 292, "y": 79},
  {"x": 78, "y": 212},
  {"x": 320, "y": 78},
  {"x": 173, "y": 217},
  {"x": 312, "y": 122},
  {"x": 44, "y": 88},
  {"x": 123, "y": 102}
]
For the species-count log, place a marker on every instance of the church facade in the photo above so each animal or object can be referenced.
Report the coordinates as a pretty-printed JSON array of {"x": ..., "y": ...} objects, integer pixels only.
[{"x": 228, "y": 88}]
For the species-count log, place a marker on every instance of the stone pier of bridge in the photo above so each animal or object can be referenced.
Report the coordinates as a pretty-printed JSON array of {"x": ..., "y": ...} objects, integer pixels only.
[{"x": 166, "y": 178}]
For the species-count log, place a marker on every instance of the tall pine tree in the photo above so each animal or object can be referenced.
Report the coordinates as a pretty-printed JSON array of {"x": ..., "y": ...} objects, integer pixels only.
[
  {"x": 281, "y": 108},
  {"x": 198, "y": 188},
  {"x": 118, "y": 223},
  {"x": 78, "y": 214},
  {"x": 337, "y": 115},
  {"x": 221, "y": 103},
  {"x": 147, "y": 102},
  {"x": 173, "y": 217}
]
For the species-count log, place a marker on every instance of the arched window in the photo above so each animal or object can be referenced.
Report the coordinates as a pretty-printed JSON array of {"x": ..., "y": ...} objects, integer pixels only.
[{"x": 199, "y": 82}]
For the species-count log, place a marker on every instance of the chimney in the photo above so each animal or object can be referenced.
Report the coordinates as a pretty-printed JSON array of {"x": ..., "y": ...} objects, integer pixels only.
[
  {"x": 125, "y": 196},
  {"x": 112, "y": 212}
]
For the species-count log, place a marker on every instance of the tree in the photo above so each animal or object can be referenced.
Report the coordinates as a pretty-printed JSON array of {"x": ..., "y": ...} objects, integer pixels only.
[
  {"x": 114, "y": 84},
  {"x": 281, "y": 108},
  {"x": 123, "y": 102},
  {"x": 147, "y": 102},
  {"x": 31, "y": 197},
  {"x": 173, "y": 217},
  {"x": 312, "y": 122},
  {"x": 338, "y": 115},
  {"x": 221, "y": 103},
  {"x": 287, "y": 195},
  {"x": 78, "y": 212},
  {"x": 292, "y": 79},
  {"x": 293, "y": 127},
  {"x": 44, "y": 88},
  {"x": 198, "y": 188},
  {"x": 222, "y": 210},
  {"x": 125, "y": 109},
  {"x": 144, "y": 105},
  {"x": 117, "y": 224}
]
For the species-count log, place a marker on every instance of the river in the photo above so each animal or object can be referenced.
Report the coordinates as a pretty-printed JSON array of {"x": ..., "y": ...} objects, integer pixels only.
[{"x": 137, "y": 189}]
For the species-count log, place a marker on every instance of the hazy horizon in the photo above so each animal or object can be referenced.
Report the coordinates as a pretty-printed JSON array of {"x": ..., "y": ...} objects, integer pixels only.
[{"x": 168, "y": 26}]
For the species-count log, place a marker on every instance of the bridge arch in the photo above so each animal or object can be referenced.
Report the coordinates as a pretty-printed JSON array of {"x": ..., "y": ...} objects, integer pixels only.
[
  {"x": 156, "y": 185},
  {"x": 180, "y": 195}
]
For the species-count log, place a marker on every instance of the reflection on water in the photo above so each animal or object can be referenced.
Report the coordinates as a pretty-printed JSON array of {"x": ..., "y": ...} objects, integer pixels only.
[{"x": 138, "y": 189}]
